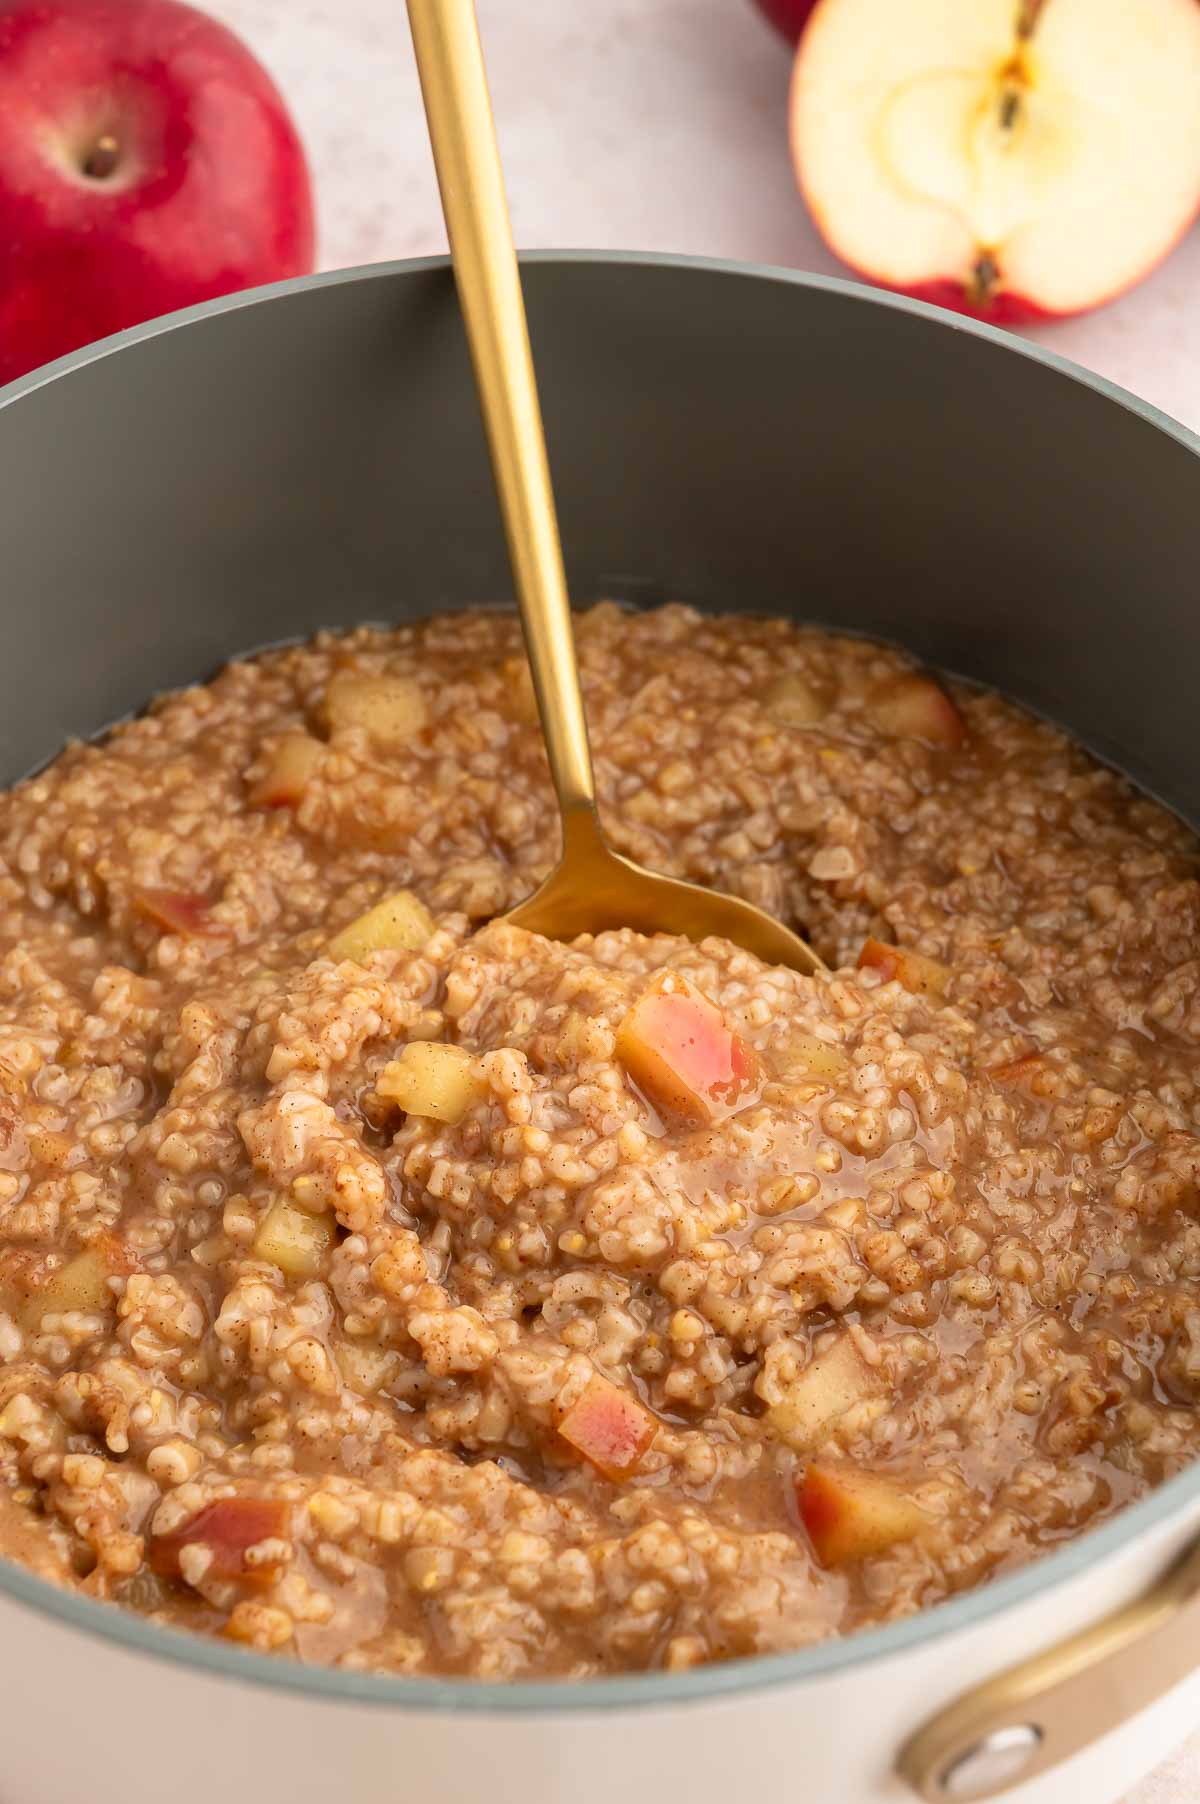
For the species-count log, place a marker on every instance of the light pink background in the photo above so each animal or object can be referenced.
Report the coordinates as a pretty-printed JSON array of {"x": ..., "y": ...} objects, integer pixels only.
[{"x": 635, "y": 125}]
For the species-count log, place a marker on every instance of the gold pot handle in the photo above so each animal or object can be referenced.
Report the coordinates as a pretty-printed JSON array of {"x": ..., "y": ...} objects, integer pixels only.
[{"x": 1013, "y": 1727}]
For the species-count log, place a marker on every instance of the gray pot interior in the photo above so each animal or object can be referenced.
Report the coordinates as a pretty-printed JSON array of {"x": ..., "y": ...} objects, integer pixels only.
[{"x": 759, "y": 442}]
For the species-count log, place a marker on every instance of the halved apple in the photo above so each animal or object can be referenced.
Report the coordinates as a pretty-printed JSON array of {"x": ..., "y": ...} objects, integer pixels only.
[
  {"x": 679, "y": 1049},
  {"x": 1011, "y": 158},
  {"x": 850, "y": 1514}
]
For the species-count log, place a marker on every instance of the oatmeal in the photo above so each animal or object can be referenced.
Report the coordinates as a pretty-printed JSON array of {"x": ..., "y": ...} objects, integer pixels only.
[{"x": 383, "y": 1285}]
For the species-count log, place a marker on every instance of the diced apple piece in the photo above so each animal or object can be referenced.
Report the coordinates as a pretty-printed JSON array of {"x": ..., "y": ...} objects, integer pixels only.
[
  {"x": 914, "y": 707},
  {"x": 295, "y": 761},
  {"x": 1017, "y": 1071},
  {"x": 682, "y": 1053},
  {"x": 297, "y": 1242},
  {"x": 796, "y": 701},
  {"x": 807, "y": 1056},
  {"x": 81, "y": 1284},
  {"x": 1032, "y": 1072},
  {"x": 610, "y": 1428},
  {"x": 919, "y": 975},
  {"x": 177, "y": 911},
  {"x": 399, "y": 923},
  {"x": 850, "y": 1514},
  {"x": 823, "y": 1393},
  {"x": 227, "y": 1529},
  {"x": 366, "y": 1369},
  {"x": 430, "y": 1078},
  {"x": 388, "y": 709},
  {"x": 520, "y": 695}
]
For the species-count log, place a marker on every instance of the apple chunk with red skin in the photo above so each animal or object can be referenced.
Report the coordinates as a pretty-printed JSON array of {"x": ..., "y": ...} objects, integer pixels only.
[
  {"x": 1015, "y": 159},
  {"x": 295, "y": 760},
  {"x": 611, "y": 1429},
  {"x": 683, "y": 1055},
  {"x": 851, "y": 1514},
  {"x": 915, "y": 707},
  {"x": 919, "y": 975},
  {"x": 226, "y": 1529},
  {"x": 147, "y": 162},
  {"x": 178, "y": 911}
]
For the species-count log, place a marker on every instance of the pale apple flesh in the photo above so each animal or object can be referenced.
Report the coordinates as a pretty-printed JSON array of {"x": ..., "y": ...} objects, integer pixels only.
[
  {"x": 1007, "y": 159},
  {"x": 809, "y": 1408}
]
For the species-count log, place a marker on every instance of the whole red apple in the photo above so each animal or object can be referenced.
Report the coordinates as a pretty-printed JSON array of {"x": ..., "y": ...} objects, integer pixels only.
[
  {"x": 787, "y": 16},
  {"x": 147, "y": 162}
]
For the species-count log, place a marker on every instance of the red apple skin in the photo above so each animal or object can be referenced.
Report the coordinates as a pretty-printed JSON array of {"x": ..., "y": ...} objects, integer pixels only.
[
  {"x": 177, "y": 911},
  {"x": 787, "y": 16},
  {"x": 681, "y": 1052},
  {"x": 210, "y": 192},
  {"x": 919, "y": 975},
  {"x": 610, "y": 1428},
  {"x": 227, "y": 1528},
  {"x": 1004, "y": 310},
  {"x": 913, "y": 706}
]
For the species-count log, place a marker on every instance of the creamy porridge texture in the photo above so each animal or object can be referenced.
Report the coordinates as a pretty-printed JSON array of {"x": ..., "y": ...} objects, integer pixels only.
[{"x": 381, "y": 1284}]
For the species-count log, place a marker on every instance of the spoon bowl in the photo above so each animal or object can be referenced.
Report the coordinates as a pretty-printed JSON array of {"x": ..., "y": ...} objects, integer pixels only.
[{"x": 592, "y": 887}]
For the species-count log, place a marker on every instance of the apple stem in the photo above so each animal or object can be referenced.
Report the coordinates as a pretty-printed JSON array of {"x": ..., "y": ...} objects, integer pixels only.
[
  {"x": 1010, "y": 107},
  {"x": 1028, "y": 13},
  {"x": 103, "y": 158},
  {"x": 984, "y": 277}
]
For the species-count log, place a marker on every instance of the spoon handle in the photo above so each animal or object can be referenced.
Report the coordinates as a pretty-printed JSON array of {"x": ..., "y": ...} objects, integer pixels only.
[{"x": 461, "y": 129}]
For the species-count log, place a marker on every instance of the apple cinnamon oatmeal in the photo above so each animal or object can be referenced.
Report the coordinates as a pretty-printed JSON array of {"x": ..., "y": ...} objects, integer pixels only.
[{"x": 384, "y": 1285}]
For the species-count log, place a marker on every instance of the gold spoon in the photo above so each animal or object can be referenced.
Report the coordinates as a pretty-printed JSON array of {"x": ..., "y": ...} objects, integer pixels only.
[{"x": 592, "y": 887}]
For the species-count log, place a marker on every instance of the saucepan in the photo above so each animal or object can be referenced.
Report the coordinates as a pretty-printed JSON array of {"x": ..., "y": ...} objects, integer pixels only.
[{"x": 310, "y": 456}]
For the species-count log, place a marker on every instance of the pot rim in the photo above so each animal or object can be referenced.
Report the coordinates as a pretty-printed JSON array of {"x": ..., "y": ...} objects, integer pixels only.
[{"x": 729, "y": 1679}]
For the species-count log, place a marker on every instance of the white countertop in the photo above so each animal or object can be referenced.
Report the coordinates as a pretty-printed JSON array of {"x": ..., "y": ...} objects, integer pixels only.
[
  {"x": 625, "y": 124},
  {"x": 634, "y": 125}
]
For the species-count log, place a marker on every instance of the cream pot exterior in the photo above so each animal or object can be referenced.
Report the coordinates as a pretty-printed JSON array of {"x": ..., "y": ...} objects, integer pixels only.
[
  {"x": 311, "y": 456},
  {"x": 99, "y": 1707}
]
